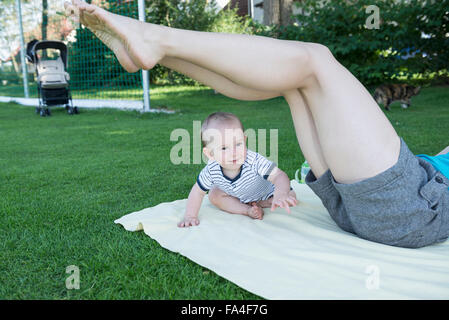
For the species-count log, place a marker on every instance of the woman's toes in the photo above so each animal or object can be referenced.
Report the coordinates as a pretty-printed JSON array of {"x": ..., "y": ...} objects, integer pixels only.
[{"x": 79, "y": 4}]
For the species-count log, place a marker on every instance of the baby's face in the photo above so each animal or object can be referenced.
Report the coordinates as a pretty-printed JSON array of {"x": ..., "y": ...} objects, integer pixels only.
[{"x": 228, "y": 146}]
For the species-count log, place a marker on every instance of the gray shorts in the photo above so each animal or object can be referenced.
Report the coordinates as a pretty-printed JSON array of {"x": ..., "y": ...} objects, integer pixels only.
[{"x": 406, "y": 206}]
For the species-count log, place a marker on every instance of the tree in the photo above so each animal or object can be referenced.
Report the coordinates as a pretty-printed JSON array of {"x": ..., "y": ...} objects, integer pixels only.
[
  {"x": 277, "y": 12},
  {"x": 9, "y": 33},
  {"x": 44, "y": 19},
  {"x": 44, "y": 23}
]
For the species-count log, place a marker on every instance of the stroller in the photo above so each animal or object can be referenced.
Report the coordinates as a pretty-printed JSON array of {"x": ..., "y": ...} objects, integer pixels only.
[{"x": 52, "y": 77}]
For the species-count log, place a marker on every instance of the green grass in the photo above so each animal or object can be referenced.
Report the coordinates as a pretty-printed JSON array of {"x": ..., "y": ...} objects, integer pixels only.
[
  {"x": 65, "y": 179},
  {"x": 16, "y": 90}
]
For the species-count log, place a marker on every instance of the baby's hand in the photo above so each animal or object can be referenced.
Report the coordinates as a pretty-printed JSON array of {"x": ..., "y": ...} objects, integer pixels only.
[
  {"x": 284, "y": 200},
  {"x": 255, "y": 211},
  {"x": 188, "y": 222}
]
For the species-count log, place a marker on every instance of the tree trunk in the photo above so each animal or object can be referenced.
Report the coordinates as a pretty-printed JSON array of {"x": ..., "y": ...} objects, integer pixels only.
[
  {"x": 277, "y": 12},
  {"x": 44, "y": 24},
  {"x": 271, "y": 12},
  {"x": 286, "y": 12}
]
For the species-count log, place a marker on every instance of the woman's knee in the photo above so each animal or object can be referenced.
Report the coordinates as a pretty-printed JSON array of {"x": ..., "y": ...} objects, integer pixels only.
[
  {"x": 320, "y": 55},
  {"x": 310, "y": 59},
  {"x": 318, "y": 49}
]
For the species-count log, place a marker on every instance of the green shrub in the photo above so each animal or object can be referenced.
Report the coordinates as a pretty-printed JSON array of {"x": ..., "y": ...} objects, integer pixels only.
[
  {"x": 228, "y": 21},
  {"x": 9, "y": 76},
  {"x": 375, "y": 55}
]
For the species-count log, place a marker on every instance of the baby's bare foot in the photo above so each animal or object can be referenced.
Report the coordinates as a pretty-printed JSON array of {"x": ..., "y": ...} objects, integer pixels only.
[
  {"x": 123, "y": 35},
  {"x": 255, "y": 211}
]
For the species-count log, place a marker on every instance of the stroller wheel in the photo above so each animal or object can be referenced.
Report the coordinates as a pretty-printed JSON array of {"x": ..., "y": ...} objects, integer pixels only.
[
  {"x": 75, "y": 109},
  {"x": 70, "y": 110},
  {"x": 47, "y": 111},
  {"x": 42, "y": 112}
]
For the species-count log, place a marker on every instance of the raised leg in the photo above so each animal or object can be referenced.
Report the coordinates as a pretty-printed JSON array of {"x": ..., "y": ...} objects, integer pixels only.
[
  {"x": 216, "y": 81},
  {"x": 306, "y": 132},
  {"x": 270, "y": 62}
]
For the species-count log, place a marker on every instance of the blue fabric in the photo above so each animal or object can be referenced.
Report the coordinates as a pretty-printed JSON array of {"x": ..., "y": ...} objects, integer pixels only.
[{"x": 441, "y": 162}]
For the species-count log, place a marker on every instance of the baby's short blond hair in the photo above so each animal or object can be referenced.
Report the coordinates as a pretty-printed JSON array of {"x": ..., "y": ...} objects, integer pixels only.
[{"x": 217, "y": 117}]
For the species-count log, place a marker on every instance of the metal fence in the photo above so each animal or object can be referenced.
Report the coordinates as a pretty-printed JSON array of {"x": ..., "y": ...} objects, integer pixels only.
[{"x": 94, "y": 70}]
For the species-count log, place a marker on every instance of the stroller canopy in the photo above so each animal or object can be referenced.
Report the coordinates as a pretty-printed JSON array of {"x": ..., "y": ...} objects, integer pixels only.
[{"x": 35, "y": 45}]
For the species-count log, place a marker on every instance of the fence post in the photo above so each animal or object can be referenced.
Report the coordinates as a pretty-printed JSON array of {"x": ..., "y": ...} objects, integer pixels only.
[
  {"x": 22, "y": 50},
  {"x": 145, "y": 73},
  {"x": 251, "y": 8}
]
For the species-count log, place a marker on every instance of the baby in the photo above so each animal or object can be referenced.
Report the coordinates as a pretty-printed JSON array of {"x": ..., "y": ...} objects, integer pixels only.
[{"x": 238, "y": 180}]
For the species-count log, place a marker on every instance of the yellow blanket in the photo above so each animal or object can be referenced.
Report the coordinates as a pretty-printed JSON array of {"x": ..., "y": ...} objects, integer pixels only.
[{"x": 302, "y": 255}]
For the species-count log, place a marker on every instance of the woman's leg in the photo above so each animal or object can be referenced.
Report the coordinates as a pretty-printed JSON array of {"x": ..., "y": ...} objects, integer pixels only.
[
  {"x": 256, "y": 62},
  {"x": 216, "y": 81},
  {"x": 119, "y": 47},
  {"x": 306, "y": 132},
  {"x": 356, "y": 139}
]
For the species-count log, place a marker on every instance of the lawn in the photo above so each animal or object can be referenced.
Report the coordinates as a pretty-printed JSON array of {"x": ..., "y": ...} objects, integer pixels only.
[
  {"x": 16, "y": 90},
  {"x": 65, "y": 179}
]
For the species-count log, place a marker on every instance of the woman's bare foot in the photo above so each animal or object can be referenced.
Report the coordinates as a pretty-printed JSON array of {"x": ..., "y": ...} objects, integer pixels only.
[
  {"x": 255, "y": 211},
  {"x": 124, "y": 36}
]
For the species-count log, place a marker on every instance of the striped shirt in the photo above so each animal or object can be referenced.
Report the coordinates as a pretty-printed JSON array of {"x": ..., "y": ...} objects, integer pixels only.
[{"x": 250, "y": 184}]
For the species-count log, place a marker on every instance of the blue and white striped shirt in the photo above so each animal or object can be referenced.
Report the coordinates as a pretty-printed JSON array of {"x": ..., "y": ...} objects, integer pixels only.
[{"x": 250, "y": 184}]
